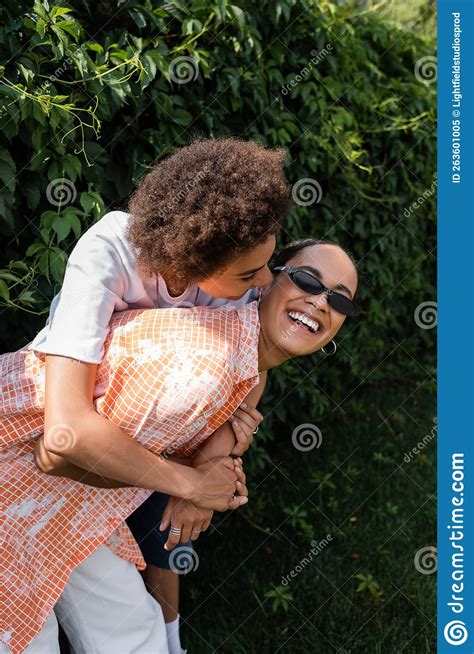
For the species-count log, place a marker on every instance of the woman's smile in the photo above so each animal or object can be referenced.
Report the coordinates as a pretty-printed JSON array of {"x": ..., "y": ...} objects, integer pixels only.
[{"x": 304, "y": 324}]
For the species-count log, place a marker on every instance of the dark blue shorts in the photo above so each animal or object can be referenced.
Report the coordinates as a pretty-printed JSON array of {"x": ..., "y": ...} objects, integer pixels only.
[{"x": 144, "y": 523}]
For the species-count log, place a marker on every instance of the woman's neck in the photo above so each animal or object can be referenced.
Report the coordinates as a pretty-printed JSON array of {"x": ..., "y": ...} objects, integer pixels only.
[{"x": 269, "y": 355}]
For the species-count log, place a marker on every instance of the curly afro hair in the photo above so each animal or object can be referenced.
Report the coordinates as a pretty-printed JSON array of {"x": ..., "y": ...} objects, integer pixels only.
[{"x": 206, "y": 204}]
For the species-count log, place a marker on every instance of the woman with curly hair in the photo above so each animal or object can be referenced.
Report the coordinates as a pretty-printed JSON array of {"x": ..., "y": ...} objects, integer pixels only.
[{"x": 199, "y": 231}]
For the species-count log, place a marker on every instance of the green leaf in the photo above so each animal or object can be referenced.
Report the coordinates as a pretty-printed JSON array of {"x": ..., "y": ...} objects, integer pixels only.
[
  {"x": 182, "y": 117},
  {"x": 57, "y": 264},
  {"x": 72, "y": 167},
  {"x": 4, "y": 292},
  {"x": 59, "y": 11},
  {"x": 4, "y": 274},
  {"x": 34, "y": 248},
  {"x": 62, "y": 227},
  {"x": 32, "y": 194},
  {"x": 138, "y": 18},
  {"x": 7, "y": 170},
  {"x": 71, "y": 27}
]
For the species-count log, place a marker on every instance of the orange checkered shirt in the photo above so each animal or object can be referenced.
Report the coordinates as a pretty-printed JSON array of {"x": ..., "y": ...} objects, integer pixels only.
[{"x": 169, "y": 378}]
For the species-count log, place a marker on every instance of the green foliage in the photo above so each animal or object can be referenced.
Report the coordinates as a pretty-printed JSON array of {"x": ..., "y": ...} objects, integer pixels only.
[
  {"x": 90, "y": 95},
  {"x": 281, "y": 597},
  {"x": 370, "y": 585}
]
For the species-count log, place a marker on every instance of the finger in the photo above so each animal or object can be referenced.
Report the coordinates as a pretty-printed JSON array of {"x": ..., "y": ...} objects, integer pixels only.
[
  {"x": 256, "y": 415},
  {"x": 241, "y": 476},
  {"x": 239, "y": 432},
  {"x": 186, "y": 533},
  {"x": 252, "y": 412},
  {"x": 246, "y": 421},
  {"x": 173, "y": 540},
  {"x": 240, "y": 448},
  {"x": 228, "y": 462},
  {"x": 206, "y": 524},
  {"x": 196, "y": 530},
  {"x": 237, "y": 502},
  {"x": 165, "y": 519},
  {"x": 242, "y": 490}
]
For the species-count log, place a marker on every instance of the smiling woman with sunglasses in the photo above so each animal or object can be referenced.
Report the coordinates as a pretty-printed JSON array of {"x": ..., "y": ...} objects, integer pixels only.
[{"x": 321, "y": 282}]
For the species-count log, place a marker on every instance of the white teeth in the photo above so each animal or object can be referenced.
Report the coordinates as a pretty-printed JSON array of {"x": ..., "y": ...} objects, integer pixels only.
[{"x": 306, "y": 320}]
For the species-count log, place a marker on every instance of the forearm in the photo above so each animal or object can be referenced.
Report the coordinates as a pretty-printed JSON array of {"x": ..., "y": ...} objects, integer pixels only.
[
  {"x": 221, "y": 443},
  {"x": 223, "y": 440},
  {"x": 57, "y": 466},
  {"x": 102, "y": 448}
]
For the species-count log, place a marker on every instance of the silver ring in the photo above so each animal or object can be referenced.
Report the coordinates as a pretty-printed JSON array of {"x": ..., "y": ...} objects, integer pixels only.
[
  {"x": 233, "y": 497},
  {"x": 254, "y": 432},
  {"x": 197, "y": 531},
  {"x": 175, "y": 530}
]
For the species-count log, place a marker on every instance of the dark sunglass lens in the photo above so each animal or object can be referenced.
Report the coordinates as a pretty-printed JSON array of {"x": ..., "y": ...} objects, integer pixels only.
[
  {"x": 342, "y": 304},
  {"x": 307, "y": 282}
]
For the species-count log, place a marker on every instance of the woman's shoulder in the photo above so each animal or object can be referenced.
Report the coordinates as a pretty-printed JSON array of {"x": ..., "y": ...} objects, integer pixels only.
[
  {"x": 106, "y": 241},
  {"x": 111, "y": 225}
]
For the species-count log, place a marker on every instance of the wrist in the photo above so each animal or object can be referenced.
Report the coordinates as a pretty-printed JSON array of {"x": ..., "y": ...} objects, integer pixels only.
[
  {"x": 191, "y": 485},
  {"x": 178, "y": 480}
]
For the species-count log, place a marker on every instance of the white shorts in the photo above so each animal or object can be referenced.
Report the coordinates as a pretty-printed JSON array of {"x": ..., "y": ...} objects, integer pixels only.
[{"x": 104, "y": 609}]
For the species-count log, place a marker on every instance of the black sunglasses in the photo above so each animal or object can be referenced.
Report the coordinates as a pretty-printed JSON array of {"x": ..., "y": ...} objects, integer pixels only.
[{"x": 309, "y": 283}]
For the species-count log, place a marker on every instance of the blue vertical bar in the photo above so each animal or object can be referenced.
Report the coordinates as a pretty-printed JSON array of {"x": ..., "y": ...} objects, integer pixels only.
[{"x": 455, "y": 326}]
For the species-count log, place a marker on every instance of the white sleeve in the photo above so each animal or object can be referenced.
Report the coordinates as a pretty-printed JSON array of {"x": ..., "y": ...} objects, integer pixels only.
[{"x": 94, "y": 286}]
